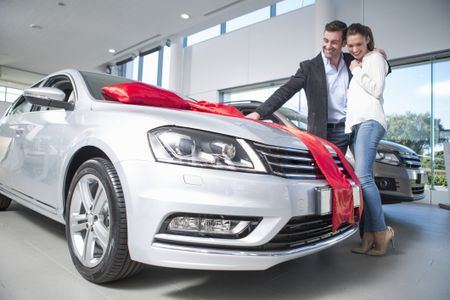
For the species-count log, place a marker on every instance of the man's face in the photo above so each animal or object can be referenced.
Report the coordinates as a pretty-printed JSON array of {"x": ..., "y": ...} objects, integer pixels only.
[{"x": 332, "y": 44}]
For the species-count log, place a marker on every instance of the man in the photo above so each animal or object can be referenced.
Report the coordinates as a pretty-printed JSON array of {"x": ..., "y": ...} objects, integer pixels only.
[{"x": 325, "y": 80}]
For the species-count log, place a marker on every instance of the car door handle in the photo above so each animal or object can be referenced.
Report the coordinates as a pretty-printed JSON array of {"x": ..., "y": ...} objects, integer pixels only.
[{"x": 19, "y": 131}]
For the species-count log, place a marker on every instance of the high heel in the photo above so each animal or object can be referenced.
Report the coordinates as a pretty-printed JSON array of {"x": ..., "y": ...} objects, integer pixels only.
[
  {"x": 366, "y": 243},
  {"x": 382, "y": 240}
]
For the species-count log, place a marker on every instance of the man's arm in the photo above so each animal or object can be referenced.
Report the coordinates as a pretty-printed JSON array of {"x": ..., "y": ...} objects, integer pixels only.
[{"x": 280, "y": 96}]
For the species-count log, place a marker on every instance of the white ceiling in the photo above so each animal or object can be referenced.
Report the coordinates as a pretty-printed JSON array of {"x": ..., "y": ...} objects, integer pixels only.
[{"x": 80, "y": 33}]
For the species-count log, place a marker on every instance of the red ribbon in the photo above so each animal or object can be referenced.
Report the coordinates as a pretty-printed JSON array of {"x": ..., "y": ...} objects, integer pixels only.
[{"x": 342, "y": 192}]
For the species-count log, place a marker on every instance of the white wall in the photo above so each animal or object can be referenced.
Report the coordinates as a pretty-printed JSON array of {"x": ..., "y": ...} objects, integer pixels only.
[
  {"x": 402, "y": 27},
  {"x": 272, "y": 49},
  {"x": 262, "y": 52}
]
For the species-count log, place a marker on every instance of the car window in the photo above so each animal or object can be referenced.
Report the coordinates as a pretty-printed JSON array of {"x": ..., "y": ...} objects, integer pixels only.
[
  {"x": 95, "y": 82},
  {"x": 295, "y": 117},
  {"x": 20, "y": 106}
]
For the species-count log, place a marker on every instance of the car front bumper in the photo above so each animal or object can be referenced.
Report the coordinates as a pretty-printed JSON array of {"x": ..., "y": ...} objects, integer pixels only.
[
  {"x": 155, "y": 191},
  {"x": 397, "y": 183}
]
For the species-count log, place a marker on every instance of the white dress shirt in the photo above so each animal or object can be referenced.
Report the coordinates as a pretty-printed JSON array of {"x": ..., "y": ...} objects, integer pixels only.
[
  {"x": 365, "y": 92},
  {"x": 337, "y": 84}
]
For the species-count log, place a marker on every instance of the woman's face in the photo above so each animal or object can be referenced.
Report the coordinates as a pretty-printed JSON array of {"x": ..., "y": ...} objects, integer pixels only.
[{"x": 357, "y": 45}]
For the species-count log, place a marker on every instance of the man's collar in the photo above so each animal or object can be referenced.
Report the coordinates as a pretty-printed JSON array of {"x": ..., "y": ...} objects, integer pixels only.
[{"x": 327, "y": 61}]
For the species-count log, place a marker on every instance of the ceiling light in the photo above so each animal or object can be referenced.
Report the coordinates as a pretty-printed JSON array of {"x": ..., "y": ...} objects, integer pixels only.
[
  {"x": 112, "y": 51},
  {"x": 185, "y": 16},
  {"x": 36, "y": 26}
]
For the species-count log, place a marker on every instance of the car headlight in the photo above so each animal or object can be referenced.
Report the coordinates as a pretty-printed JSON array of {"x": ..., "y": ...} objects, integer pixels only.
[
  {"x": 203, "y": 149},
  {"x": 387, "y": 158}
]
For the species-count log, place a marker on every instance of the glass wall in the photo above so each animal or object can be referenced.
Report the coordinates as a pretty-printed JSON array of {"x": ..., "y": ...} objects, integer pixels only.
[
  {"x": 203, "y": 35},
  {"x": 417, "y": 106},
  {"x": 248, "y": 19},
  {"x": 151, "y": 67},
  {"x": 285, "y": 6},
  {"x": 8, "y": 94},
  {"x": 441, "y": 101}
]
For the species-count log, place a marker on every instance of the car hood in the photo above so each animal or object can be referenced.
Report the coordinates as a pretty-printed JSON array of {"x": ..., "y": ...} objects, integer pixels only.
[
  {"x": 232, "y": 126},
  {"x": 389, "y": 146}
]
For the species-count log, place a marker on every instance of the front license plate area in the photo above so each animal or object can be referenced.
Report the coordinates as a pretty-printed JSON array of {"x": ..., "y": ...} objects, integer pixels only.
[
  {"x": 421, "y": 178},
  {"x": 323, "y": 196},
  {"x": 323, "y": 200}
]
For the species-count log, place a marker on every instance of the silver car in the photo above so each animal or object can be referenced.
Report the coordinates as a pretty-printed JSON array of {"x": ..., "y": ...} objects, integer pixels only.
[
  {"x": 397, "y": 169},
  {"x": 141, "y": 185}
]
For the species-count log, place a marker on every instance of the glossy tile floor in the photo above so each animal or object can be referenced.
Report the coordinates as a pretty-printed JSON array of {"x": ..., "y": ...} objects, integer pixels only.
[{"x": 35, "y": 264}]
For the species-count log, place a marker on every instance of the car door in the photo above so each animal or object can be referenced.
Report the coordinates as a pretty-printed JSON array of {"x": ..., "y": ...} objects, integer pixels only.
[
  {"x": 42, "y": 147},
  {"x": 11, "y": 149}
]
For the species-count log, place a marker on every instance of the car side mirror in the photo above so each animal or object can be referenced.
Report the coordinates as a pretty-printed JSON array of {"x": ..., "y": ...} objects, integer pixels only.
[{"x": 48, "y": 96}]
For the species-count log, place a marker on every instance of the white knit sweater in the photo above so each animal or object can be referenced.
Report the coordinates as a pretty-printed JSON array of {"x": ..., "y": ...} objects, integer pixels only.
[{"x": 365, "y": 92}]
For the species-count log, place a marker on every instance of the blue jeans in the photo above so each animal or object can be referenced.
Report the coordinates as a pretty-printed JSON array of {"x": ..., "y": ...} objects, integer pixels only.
[
  {"x": 365, "y": 139},
  {"x": 338, "y": 137}
]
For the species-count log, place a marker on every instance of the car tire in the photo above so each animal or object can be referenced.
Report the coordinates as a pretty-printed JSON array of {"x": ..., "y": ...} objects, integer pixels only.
[
  {"x": 4, "y": 202},
  {"x": 96, "y": 224}
]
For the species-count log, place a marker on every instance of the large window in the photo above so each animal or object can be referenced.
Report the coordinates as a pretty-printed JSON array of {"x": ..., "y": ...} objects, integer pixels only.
[
  {"x": 151, "y": 67},
  {"x": 248, "y": 19},
  {"x": 441, "y": 111},
  {"x": 8, "y": 94},
  {"x": 129, "y": 68},
  {"x": 203, "y": 35},
  {"x": 285, "y": 6},
  {"x": 256, "y": 16},
  {"x": 417, "y": 106}
]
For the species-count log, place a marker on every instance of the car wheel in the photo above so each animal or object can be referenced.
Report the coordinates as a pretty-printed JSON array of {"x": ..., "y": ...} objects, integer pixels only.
[
  {"x": 96, "y": 224},
  {"x": 4, "y": 202}
]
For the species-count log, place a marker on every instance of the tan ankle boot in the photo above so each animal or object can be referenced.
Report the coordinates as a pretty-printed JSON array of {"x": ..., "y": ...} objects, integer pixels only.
[
  {"x": 382, "y": 239},
  {"x": 366, "y": 243}
]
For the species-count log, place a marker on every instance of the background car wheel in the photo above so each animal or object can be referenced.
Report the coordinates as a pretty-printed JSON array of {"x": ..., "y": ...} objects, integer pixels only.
[
  {"x": 4, "y": 202},
  {"x": 96, "y": 224}
]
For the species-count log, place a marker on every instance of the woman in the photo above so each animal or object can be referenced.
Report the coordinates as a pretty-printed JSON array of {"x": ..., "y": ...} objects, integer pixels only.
[{"x": 367, "y": 123}]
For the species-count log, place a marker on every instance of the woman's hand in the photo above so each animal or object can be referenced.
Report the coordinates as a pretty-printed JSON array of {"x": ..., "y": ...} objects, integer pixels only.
[{"x": 355, "y": 64}]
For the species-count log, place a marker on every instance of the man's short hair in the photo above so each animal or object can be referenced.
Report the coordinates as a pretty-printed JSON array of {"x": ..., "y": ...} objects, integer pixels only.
[{"x": 337, "y": 25}]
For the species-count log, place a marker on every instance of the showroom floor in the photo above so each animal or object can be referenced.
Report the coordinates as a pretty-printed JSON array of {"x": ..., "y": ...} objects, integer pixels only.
[{"x": 35, "y": 264}]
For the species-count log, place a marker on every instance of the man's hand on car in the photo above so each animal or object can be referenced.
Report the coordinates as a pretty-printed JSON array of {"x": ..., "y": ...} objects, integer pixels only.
[{"x": 253, "y": 115}]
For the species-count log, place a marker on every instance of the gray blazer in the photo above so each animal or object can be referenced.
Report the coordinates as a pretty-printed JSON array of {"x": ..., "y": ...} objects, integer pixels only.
[{"x": 310, "y": 77}]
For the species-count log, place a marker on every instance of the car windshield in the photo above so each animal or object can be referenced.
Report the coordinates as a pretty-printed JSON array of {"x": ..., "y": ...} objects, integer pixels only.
[
  {"x": 95, "y": 82},
  {"x": 295, "y": 117}
]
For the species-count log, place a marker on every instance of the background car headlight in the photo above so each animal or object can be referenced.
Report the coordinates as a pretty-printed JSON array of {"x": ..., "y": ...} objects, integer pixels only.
[
  {"x": 203, "y": 149},
  {"x": 388, "y": 158}
]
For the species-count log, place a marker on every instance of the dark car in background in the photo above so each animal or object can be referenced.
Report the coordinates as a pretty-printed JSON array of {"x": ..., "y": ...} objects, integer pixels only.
[{"x": 397, "y": 170}]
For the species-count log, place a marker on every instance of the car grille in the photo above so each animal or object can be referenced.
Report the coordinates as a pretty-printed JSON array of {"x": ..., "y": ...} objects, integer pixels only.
[
  {"x": 293, "y": 163},
  {"x": 411, "y": 160},
  {"x": 300, "y": 231},
  {"x": 418, "y": 190}
]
